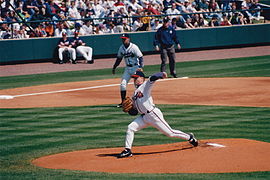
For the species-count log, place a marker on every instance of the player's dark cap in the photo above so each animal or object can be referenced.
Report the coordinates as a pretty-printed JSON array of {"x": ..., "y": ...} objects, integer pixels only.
[
  {"x": 64, "y": 33},
  {"x": 138, "y": 74},
  {"x": 124, "y": 36}
]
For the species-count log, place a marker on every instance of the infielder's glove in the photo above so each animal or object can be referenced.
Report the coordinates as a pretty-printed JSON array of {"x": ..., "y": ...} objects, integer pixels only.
[{"x": 127, "y": 104}]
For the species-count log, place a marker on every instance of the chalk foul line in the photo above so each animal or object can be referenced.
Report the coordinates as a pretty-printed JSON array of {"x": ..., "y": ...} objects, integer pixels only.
[{"x": 70, "y": 90}]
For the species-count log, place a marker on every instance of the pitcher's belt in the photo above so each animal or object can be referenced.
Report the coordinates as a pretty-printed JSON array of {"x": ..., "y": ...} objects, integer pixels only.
[
  {"x": 131, "y": 65},
  {"x": 147, "y": 112}
]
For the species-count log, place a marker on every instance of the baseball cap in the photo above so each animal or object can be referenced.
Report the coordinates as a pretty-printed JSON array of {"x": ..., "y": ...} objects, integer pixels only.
[
  {"x": 124, "y": 36},
  {"x": 138, "y": 74}
]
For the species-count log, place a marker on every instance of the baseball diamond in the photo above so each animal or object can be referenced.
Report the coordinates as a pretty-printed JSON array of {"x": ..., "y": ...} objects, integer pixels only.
[{"x": 212, "y": 155}]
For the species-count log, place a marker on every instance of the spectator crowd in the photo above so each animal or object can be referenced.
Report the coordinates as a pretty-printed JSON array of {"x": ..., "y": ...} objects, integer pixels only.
[{"x": 118, "y": 16}]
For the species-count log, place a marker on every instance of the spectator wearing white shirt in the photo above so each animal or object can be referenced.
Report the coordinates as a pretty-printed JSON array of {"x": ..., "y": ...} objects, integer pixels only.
[{"x": 172, "y": 11}]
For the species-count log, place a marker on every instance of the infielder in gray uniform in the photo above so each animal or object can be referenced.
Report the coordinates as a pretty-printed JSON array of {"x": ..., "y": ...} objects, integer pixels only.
[
  {"x": 150, "y": 115},
  {"x": 134, "y": 61}
]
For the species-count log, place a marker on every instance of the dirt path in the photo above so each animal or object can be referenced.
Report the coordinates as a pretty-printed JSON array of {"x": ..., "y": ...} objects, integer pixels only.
[
  {"x": 38, "y": 68},
  {"x": 253, "y": 91}
]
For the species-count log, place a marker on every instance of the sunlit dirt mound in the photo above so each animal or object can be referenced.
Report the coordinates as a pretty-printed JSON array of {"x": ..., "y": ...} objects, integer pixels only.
[{"x": 211, "y": 156}]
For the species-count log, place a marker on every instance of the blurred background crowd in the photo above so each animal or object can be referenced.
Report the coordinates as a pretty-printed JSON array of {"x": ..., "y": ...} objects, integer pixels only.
[{"x": 50, "y": 18}]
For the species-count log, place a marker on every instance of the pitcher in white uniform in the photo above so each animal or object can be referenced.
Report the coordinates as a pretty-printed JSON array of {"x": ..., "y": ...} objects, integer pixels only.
[
  {"x": 134, "y": 61},
  {"x": 150, "y": 115}
]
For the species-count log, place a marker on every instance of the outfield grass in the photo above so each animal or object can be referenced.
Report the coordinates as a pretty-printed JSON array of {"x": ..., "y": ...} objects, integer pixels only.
[{"x": 26, "y": 134}]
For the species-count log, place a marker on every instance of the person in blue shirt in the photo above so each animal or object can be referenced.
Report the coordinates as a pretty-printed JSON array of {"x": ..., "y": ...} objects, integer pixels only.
[{"x": 164, "y": 41}]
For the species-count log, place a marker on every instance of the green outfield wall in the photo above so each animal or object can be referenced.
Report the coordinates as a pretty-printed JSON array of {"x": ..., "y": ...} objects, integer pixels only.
[{"x": 44, "y": 49}]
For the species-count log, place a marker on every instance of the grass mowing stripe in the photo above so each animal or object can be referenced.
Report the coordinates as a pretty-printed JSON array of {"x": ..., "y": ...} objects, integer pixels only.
[
  {"x": 213, "y": 68},
  {"x": 79, "y": 134}
]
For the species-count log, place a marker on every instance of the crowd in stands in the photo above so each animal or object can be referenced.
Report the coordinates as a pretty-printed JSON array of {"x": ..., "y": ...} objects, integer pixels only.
[{"x": 117, "y": 16}]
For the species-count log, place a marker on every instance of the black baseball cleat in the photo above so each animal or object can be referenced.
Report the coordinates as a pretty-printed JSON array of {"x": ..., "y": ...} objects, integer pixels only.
[
  {"x": 119, "y": 105},
  {"x": 61, "y": 62},
  {"x": 174, "y": 75},
  {"x": 125, "y": 153},
  {"x": 192, "y": 140},
  {"x": 74, "y": 62},
  {"x": 90, "y": 62}
]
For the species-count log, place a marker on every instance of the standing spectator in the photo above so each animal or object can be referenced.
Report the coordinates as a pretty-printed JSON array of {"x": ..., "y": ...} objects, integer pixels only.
[
  {"x": 133, "y": 59},
  {"x": 64, "y": 46},
  {"x": 165, "y": 38},
  {"x": 81, "y": 48}
]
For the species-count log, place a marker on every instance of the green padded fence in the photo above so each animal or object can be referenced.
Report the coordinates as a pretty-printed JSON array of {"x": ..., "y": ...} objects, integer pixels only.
[{"x": 39, "y": 49}]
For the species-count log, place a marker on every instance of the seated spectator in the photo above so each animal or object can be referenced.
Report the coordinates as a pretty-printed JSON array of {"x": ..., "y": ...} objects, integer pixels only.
[
  {"x": 136, "y": 24},
  {"x": 73, "y": 11},
  {"x": 156, "y": 25},
  {"x": 146, "y": 19},
  {"x": 59, "y": 30},
  {"x": 225, "y": 21},
  {"x": 49, "y": 29},
  {"x": 238, "y": 19},
  {"x": 87, "y": 27},
  {"x": 81, "y": 48},
  {"x": 134, "y": 5},
  {"x": 181, "y": 22},
  {"x": 256, "y": 10},
  {"x": 153, "y": 8},
  {"x": 51, "y": 9},
  {"x": 167, "y": 4},
  {"x": 172, "y": 11},
  {"x": 65, "y": 46},
  {"x": 126, "y": 26},
  {"x": 29, "y": 7},
  {"x": 199, "y": 21},
  {"x": 214, "y": 21}
]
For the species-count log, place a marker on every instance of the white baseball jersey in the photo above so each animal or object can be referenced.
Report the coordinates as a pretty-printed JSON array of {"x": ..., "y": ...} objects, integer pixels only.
[
  {"x": 131, "y": 54},
  {"x": 150, "y": 116}
]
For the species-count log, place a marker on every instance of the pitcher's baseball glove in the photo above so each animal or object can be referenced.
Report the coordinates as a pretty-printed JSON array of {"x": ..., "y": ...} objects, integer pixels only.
[{"x": 127, "y": 104}]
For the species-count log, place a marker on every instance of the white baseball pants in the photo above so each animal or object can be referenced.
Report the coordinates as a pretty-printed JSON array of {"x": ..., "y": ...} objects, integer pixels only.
[
  {"x": 85, "y": 51},
  {"x": 129, "y": 71},
  {"x": 71, "y": 51},
  {"x": 154, "y": 119}
]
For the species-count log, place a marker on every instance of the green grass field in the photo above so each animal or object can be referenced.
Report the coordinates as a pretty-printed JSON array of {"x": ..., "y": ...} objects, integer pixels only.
[{"x": 30, "y": 133}]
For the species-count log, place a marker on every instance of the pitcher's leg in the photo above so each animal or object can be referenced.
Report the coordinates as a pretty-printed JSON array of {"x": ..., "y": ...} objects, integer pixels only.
[
  {"x": 133, "y": 127},
  {"x": 165, "y": 128}
]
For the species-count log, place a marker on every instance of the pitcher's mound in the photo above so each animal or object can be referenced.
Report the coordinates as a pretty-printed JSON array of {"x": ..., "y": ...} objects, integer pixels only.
[{"x": 211, "y": 156}]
